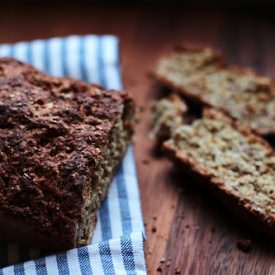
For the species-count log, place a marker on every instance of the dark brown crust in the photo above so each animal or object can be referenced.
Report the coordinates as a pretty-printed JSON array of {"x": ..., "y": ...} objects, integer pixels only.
[
  {"x": 53, "y": 132},
  {"x": 237, "y": 205},
  {"x": 217, "y": 57},
  {"x": 14, "y": 230},
  {"x": 218, "y": 60}
]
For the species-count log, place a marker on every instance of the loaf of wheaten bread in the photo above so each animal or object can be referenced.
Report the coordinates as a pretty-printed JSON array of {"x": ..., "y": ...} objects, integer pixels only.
[
  {"x": 61, "y": 141},
  {"x": 168, "y": 113},
  {"x": 236, "y": 165},
  {"x": 201, "y": 74}
]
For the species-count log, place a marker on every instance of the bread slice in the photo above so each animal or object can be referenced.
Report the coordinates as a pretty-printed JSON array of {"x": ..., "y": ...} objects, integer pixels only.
[
  {"x": 60, "y": 143},
  {"x": 202, "y": 74},
  {"x": 236, "y": 165},
  {"x": 168, "y": 113}
]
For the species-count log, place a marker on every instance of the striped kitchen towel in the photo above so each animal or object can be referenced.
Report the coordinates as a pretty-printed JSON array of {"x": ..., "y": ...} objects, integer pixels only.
[{"x": 117, "y": 246}]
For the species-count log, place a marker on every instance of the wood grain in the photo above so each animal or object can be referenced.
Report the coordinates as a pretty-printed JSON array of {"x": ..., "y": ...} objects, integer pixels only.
[{"x": 184, "y": 224}]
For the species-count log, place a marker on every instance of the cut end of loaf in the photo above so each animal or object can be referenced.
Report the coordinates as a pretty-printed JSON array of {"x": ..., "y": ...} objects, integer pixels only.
[{"x": 119, "y": 139}]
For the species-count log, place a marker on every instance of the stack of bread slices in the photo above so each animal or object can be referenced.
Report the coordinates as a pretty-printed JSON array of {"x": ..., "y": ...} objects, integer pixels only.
[{"x": 226, "y": 145}]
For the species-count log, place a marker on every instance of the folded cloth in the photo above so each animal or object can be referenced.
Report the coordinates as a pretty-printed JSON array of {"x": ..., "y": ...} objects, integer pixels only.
[{"x": 117, "y": 245}]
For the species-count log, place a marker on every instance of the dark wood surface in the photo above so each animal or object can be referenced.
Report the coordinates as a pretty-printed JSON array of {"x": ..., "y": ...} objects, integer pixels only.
[{"x": 184, "y": 224}]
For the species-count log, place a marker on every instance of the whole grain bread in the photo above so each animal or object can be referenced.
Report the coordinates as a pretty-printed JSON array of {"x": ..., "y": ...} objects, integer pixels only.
[
  {"x": 60, "y": 143},
  {"x": 203, "y": 75},
  {"x": 168, "y": 113},
  {"x": 237, "y": 166}
]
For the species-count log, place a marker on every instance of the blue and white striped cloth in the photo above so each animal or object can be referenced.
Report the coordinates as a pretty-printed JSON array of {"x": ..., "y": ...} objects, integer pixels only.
[{"x": 117, "y": 246}]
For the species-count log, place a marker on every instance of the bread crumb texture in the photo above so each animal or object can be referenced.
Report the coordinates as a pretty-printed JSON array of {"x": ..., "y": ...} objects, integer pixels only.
[
  {"x": 168, "y": 113},
  {"x": 240, "y": 92},
  {"x": 244, "y": 167}
]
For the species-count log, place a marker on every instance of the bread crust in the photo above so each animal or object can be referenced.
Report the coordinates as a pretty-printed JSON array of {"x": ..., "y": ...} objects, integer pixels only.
[
  {"x": 220, "y": 62},
  {"x": 240, "y": 206},
  {"x": 12, "y": 227},
  {"x": 54, "y": 135},
  {"x": 217, "y": 57}
]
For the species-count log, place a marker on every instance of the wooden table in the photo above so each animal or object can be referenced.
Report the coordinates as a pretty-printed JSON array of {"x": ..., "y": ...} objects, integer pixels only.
[{"x": 184, "y": 224}]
